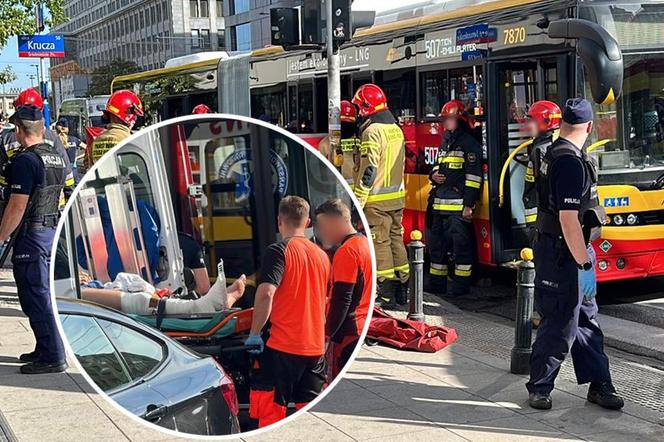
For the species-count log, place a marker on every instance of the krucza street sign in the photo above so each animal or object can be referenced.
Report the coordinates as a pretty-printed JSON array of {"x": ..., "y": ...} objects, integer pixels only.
[{"x": 41, "y": 46}]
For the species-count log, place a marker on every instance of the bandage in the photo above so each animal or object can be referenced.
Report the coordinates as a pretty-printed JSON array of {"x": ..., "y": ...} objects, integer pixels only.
[{"x": 137, "y": 303}]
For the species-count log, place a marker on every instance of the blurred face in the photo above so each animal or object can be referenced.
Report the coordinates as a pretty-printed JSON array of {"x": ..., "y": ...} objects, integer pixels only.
[
  {"x": 531, "y": 127},
  {"x": 330, "y": 229},
  {"x": 450, "y": 124}
]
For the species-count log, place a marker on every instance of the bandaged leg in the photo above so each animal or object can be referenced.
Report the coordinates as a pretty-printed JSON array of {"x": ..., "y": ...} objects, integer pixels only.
[
  {"x": 137, "y": 303},
  {"x": 218, "y": 298}
]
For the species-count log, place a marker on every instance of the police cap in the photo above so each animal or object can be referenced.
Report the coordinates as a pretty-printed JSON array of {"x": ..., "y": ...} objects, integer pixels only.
[
  {"x": 27, "y": 113},
  {"x": 62, "y": 122},
  {"x": 577, "y": 111}
]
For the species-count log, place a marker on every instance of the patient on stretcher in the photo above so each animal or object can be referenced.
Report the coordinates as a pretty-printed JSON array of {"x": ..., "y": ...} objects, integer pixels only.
[{"x": 130, "y": 294}]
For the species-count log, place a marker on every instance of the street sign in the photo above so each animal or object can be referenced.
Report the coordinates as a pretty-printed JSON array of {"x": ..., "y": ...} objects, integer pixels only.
[{"x": 41, "y": 46}]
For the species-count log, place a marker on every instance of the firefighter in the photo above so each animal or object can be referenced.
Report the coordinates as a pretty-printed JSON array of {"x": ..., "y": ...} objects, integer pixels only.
[
  {"x": 543, "y": 119},
  {"x": 9, "y": 144},
  {"x": 569, "y": 217},
  {"x": 201, "y": 109},
  {"x": 36, "y": 177},
  {"x": 291, "y": 294},
  {"x": 351, "y": 278},
  {"x": 122, "y": 109},
  {"x": 456, "y": 179},
  {"x": 346, "y": 160},
  {"x": 379, "y": 187}
]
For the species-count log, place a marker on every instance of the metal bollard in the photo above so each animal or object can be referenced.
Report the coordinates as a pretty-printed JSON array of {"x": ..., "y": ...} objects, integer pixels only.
[
  {"x": 525, "y": 298},
  {"x": 416, "y": 282}
]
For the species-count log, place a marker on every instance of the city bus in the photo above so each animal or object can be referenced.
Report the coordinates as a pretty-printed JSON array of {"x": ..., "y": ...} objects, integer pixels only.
[{"x": 497, "y": 57}]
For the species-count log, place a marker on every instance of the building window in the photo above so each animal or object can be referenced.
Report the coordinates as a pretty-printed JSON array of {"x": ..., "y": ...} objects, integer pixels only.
[
  {"x": 239, "y": 6},
  {"x": 242, "y": 40},
  {"x": 221, "y": 40},
  {"x": 195, "y": 38},
  {"x": 205, "y": 9},
  {"x": 220, "y": 8},
  {"x": 193, "y": 8},
  {"x": 205, "y": 39}
]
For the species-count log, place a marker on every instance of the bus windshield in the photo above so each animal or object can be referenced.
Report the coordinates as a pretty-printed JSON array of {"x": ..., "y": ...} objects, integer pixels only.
[{"x": 633, "y": 127}]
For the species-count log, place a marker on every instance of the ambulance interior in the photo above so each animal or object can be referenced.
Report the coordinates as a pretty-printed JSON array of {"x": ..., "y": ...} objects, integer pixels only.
[{"x": 211, "y": 180}]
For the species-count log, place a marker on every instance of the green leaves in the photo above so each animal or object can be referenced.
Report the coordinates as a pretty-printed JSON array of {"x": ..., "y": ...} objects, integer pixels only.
[
  {"x": 18, "y": 17},
  {"x": 103, "y": 75},
  {"x": 7, "y": 75}
]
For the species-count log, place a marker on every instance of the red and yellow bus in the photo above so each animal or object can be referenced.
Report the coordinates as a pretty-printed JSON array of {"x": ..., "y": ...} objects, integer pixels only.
[{"x": 497, "y": 57}]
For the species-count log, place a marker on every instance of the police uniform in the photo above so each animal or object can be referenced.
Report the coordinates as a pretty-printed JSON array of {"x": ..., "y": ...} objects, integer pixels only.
[
  {"x": 379, "y": 187},
  {"x": 536, "y": 152},
  {"x": 567, "y": 308},
  {"x": 38, "y": 171},
  {"x": 114, "y": 134},
  {"x": 451, "y": 238}
]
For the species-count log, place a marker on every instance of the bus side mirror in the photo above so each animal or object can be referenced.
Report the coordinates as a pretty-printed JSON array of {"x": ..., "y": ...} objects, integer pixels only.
[{"x": 600, "y": 54}]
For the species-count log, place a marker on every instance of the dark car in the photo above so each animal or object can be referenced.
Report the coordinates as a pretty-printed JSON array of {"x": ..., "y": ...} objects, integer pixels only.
[{"x": 148, "y": 373}]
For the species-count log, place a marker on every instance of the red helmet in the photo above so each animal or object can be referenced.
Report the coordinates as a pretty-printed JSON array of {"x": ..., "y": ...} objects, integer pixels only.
[
  {"x": 30, "y": 97},
  {"x": 201, "y": 109},
  {"x": 370, "y": 99},
  {"x": 348, "y": 112},
  {"x": 547, "y": 114},
  {"x": 125, "y": 105},
  {"x": 453, "y": 109}
]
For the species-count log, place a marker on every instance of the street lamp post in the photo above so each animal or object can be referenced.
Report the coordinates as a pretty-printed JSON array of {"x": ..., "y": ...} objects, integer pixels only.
[{"x": 333, "y": 83}]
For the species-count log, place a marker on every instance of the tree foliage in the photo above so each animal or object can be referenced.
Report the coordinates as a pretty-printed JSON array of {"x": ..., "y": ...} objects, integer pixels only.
[
  {"x": 18, "y": 17},
  {"x": 103, "y": 75},
  {"x": 7, "y": 75}
]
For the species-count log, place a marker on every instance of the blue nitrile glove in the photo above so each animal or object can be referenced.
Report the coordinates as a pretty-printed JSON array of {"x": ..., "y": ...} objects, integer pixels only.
[
  {"x": 588, "y": 278},
  {"x": 255, "y": 341}
]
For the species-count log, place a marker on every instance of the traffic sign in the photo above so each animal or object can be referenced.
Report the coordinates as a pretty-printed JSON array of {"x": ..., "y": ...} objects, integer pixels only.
[{"x": 41, "y": 46}]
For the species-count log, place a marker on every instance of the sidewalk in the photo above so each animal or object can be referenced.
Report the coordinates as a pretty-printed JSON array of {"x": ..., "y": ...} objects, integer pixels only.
[{"x": 464, "y": 392}]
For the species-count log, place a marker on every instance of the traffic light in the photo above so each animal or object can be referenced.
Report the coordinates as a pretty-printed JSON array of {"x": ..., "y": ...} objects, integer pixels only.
[
  {"x": 285, "y": 26},
  {"x": 344, "y": 21},
  {"x": 342, "y": 26}
]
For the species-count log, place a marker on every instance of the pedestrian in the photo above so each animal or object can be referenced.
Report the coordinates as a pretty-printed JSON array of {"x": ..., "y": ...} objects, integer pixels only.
[
  {"x": 456, "y": 179},
  {"x": 72, "y": 144},
  {"x": 122, "y": 110},
  {"x": 36, "y": 178},
  {"x": 569, "y": 216},
  {"x": 291, "y": 295},
  {"x": 543, "y": 119},
  {"x": 346, "y": 160},
  {"x": 379, "y": 188},
  {"x": 351, "y": 277}
]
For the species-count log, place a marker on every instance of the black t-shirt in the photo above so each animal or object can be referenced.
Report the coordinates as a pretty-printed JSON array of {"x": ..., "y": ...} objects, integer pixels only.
[
  {"x": 192, "y": 253},
  {"x": 26, "y": 173},
  {"x": 567, "y": 182},
  {"x": 274, "y": 264}
]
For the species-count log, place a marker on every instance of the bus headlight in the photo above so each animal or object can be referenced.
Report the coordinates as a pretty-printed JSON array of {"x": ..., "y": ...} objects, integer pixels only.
[
  {"x": 632, "y": 219},
  {"x": 603, "y": 265},
  {"x": 618, "y": 220}
]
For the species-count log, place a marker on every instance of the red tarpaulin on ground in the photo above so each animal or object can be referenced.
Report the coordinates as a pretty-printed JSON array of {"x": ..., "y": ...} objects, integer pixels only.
[{"x": 409, "y": 335}]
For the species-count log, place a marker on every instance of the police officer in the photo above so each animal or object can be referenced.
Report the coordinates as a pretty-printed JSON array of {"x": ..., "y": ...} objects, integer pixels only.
[
  {"x": 9, "y": 144},
  {"x": 72, "y": 144},
  {"x": 122, "y": 109},
  {"x": 36, "y": 178},
  {"x": 379, "y": 187},
  {"x": 347, "y": 159},
  {"x": 569, "y": 217},
  {"x": 543, "y": 119},
  {"x": 456, "y": 179}
]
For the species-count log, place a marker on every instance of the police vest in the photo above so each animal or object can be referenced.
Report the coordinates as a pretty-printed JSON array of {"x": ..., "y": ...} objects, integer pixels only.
[
  {"x": 536, "y": 154},
  {"x": 591, "y": 213},
  {"x": 45, "y": 198}
]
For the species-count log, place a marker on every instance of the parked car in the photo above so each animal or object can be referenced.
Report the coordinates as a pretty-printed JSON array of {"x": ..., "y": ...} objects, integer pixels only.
[{"x": 148, "y": 373}]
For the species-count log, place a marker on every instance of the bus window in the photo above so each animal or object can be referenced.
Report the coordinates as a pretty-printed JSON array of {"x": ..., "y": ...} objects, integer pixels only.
[
  {"x": 321, "y": 111},
  {"x": 305, "y": 108},
  {"x": 466, "y": 85},
  {"x": 291, "y": 124},
  {"x": 133, "y": 167},
  {"x": 399, "y": 86},
  {"x": 434, "y": 94},
  {"x": 551, "y": 89},
  {"x": 269, "y": 104}
]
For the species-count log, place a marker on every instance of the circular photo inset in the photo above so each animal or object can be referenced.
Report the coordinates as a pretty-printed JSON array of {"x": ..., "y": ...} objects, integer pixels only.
[{"x": 212, "y": 275}]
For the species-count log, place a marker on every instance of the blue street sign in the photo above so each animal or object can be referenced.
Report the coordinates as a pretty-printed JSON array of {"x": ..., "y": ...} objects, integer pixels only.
[{"x": 41, "y": 46}]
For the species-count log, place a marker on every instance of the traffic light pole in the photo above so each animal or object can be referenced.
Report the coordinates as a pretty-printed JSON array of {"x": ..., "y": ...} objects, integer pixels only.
[{"x": 333, "y": 83}]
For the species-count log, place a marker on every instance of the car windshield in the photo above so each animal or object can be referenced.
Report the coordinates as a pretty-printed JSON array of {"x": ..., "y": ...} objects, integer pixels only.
[{"x": 631, "y": 130}]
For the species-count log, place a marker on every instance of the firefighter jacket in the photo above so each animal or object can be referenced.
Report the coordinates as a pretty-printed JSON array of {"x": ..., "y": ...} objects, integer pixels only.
[
  {"x": 460, "y": 161},
  {"x": 536, "y": 152},
  {"x": 591, "y": 213},
  {"x": 350, "y": 148},
  {"x": 379, "y": 177},
  {"x": 43, "y": 208},
  {"x": 108, "y": 139}
]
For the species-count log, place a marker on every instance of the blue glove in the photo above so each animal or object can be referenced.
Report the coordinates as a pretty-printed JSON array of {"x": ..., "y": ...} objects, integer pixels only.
[
  {"x": 588, "y": 279},
  {"x": 255, "y": 341}
]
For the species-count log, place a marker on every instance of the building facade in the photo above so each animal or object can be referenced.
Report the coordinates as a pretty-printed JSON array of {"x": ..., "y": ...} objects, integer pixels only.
[
  {"x": 148, "y": 32},
  {"x": 248, "y": 22},
  {"x": 7, "y": 97}
]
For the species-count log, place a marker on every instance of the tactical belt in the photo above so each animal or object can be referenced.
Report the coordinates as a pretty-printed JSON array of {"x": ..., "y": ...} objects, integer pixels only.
[{"x": 42, "y": 222}]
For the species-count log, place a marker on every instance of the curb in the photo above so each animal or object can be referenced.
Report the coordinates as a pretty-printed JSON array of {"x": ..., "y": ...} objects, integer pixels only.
[
  {"x": 634, "y": 349},
  {"x": 6, "y": 433}
]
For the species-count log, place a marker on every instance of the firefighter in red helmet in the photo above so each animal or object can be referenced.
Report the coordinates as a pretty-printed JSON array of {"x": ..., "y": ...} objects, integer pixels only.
[
  {"x": 346, "y": 158},
  {"x": 201, "y": 109},
  {"x": 379, "y": 187},
  {"x": 456, "y": 179},
  {"x": 543, "y": 119},
  {"x": 122, "y": 109}
]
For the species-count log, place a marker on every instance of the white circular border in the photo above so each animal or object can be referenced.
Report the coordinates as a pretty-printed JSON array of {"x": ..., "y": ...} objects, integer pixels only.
[{"x": 291, "y": 136}]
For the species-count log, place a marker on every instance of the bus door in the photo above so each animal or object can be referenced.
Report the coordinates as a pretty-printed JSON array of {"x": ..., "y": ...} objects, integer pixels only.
[{"x": 515, "y": 86}]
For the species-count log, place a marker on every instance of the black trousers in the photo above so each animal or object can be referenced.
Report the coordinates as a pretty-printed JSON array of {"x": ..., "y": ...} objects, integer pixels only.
[
  {"x": 452, "y": 249},
  {"x": 568, "y": 324}
]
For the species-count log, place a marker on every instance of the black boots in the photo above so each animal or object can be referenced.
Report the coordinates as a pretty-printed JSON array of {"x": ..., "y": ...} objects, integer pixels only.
[
  {"x": 387, "y": 294},
  {"x": 604, "y": 395}
]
